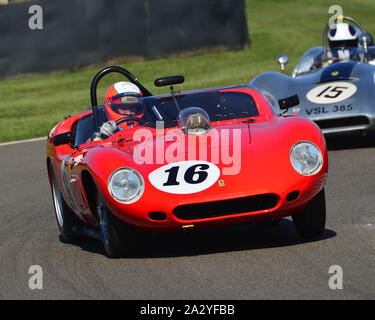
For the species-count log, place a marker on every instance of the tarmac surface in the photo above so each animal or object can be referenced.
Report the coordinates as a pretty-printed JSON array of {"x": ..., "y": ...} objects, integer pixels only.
[{"x": 242, "y": 262}]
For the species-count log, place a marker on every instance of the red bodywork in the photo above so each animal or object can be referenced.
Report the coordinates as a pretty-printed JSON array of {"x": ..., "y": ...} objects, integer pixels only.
[{"x": 266, "y": 168}]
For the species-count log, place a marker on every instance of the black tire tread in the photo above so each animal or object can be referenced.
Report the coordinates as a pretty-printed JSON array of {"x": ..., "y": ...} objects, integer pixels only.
[{"x": 310, "y": 222}]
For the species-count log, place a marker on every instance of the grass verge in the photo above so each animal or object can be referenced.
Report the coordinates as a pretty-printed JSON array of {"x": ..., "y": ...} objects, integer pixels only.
[{"x": 30, "y": 107}]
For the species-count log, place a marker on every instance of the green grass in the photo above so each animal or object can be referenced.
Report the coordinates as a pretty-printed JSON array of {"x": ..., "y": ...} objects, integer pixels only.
[{"x": 30, "y": 107}]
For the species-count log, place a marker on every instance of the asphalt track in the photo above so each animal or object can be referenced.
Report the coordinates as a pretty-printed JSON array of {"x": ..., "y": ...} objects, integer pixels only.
[{"x": 245, "y": 262}]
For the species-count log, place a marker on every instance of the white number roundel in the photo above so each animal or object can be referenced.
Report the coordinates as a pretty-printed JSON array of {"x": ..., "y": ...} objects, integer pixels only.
[
  {"x": 331, "y": 92},
  {"x": 185, "y": 177}
]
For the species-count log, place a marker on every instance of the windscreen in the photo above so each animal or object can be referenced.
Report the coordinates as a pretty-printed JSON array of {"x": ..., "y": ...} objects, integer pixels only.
[
  {"x": 219, "y": 105},
  {"x": 85, "y": 130},
  {"x": 314, "y": 57}
]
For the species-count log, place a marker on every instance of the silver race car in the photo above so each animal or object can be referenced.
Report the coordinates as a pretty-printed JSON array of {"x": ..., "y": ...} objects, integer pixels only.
[{"x": 335, "y": 83}]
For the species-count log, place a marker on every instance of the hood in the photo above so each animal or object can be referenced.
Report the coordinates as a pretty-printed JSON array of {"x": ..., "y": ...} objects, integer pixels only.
[
  {"x": 337, "y": 72},
  {"x": 152, "y": 146},
  {"x": 339, "y": 90},
  {"x": 257, "y": 163},
  {"x": 263, "y": 138}
]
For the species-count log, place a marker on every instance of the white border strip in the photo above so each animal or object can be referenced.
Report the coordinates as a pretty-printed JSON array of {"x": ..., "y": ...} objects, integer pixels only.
[{"x": 22, "y": 141}]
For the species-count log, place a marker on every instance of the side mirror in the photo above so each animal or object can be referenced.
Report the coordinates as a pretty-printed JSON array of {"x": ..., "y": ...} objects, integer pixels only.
[
  {"x": 169, "y": 81},
  {"x": 282, "y": 60},
  {"x": 289, "y": 102},
  {"x": 63, "y": 138}
]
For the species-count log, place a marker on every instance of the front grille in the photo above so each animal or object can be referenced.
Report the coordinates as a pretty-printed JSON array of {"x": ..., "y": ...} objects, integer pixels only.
[
  {"x": 342, "y": 122},
  {"x": 226, "y": 207}
]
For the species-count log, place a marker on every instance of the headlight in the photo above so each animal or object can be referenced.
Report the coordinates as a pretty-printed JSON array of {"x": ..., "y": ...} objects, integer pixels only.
[
  {"x": 126, "y": 185},
  {"x": 306, "y": 158}
]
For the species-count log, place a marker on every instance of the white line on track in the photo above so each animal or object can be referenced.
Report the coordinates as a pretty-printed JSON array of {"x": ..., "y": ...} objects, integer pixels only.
[{"x": 22, "y": 141}]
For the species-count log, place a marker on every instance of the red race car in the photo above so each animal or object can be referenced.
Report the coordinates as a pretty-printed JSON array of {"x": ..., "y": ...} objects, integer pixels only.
[{"x": 184, "y": 160}]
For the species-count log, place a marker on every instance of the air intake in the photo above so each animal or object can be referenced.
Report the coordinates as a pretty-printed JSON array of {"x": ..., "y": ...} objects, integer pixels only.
[
  {"x": 342, "y": 122},
  {"x": 226, "y": 207}
]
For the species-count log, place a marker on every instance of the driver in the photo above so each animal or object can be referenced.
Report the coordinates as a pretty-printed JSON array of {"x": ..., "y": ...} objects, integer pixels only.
[
  {"x": 121, "y": 100},
  {"x": 343, "y": 41}
]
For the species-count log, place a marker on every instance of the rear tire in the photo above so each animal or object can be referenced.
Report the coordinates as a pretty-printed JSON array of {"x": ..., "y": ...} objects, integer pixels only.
[
  {"x": 64, "y": 216},
  {"x": 117, "y": 237},
  {"x": 310, "y": 222}
]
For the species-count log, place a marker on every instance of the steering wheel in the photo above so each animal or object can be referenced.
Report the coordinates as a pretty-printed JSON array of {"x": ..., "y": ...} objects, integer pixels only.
[
  {"x": 317, "y": 64},
  {"x": 126, "y": 119}
]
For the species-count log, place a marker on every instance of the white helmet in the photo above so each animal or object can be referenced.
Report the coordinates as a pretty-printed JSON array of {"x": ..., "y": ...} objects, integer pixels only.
[
  {"x": 343, "y": 35},
  {"x": 119, "y": 90},
  {"x": 123, "y": 98}
]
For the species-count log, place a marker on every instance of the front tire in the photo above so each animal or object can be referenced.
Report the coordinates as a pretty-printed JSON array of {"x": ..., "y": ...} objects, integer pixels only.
[
  {"x": 64, "y": 216},
  {"x": 117, "y": 238},
  {"x": 310, "y": 222}
]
